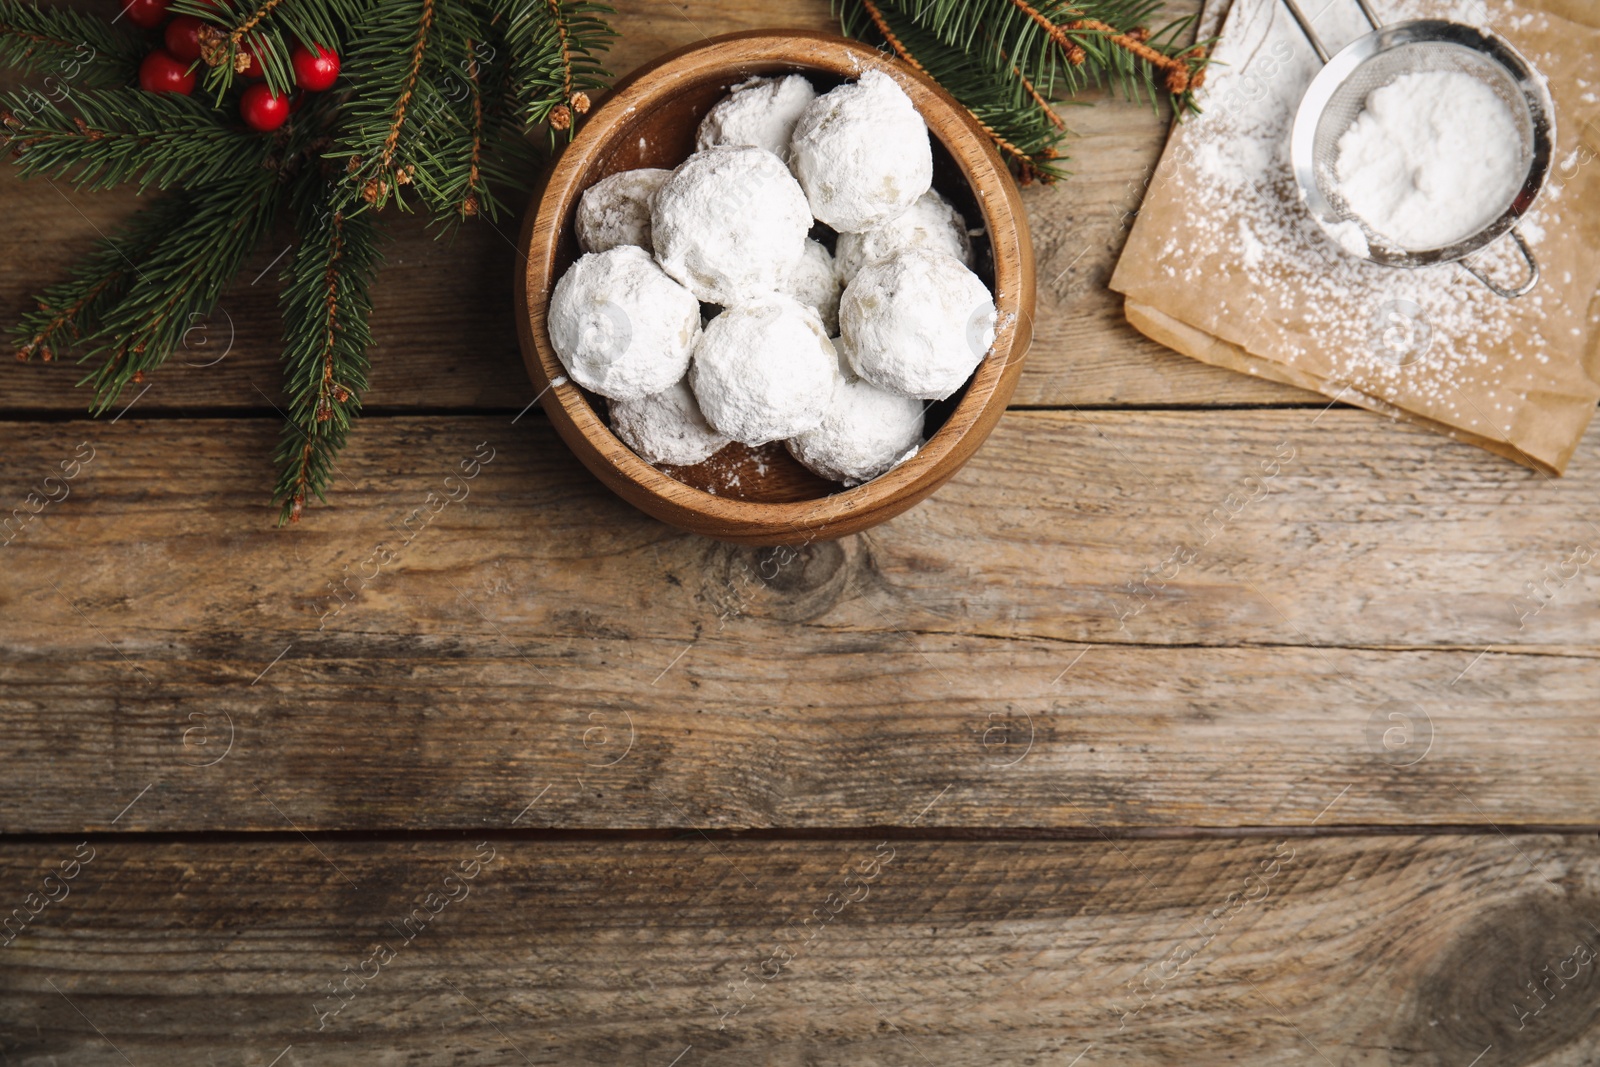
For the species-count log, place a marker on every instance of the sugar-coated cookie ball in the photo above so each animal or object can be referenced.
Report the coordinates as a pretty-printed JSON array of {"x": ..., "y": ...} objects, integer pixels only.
[
  {"x": 666, "y": 427},
  {"x": 621, "y": 326},
  {"x": 862, "y": 153},
  {"x": 932, "y": 223},
  {"x": 917, "y": 323},
  {"x": 760, "y": 112},
  {"x": 815, "y": 283},
  {"x": 730, "y": 224},
  {"x": 764, "y": 371},
  {"x": 864, "y": 432},
  {"x": 616, "y": 210}
]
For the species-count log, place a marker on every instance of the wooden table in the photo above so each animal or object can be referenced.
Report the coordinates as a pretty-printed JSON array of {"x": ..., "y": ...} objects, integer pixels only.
[{"x": 996, "y": 783}]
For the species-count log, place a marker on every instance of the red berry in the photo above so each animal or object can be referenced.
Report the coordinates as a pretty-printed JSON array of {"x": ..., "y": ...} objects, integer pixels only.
[
  {"x": 261, "y": 109},
  {"x": 183, "y": 37},
  {"x": 315, "y": 70},
  {"x": 147, "y": 14},
  {"x": 161, "y": 73}
]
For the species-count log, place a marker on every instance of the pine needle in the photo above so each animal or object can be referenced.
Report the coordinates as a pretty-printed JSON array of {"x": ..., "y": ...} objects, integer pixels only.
[
  {"x": 105, "y": 137},
  {"x": 72, "y": 48},
  {"x": 326, "y": 303}
]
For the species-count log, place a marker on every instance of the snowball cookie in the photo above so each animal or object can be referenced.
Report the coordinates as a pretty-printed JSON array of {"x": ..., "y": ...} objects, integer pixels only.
[
  {"x": 864, "y": 433},
  {"x": 622, "y": 327},
  {"x": 932, "y": 223},
  {"x": 862, "y": 153},
  {"x": 760, "y": 112},
  {"x": 730, "y": 223},
  {"x": 666, "y": 427},
  {"x": 916, "y": 323},
  {"x": 764, "y": 371},
  {"x": 815, "y": 283},
  {"x": 616, "y": 210}
]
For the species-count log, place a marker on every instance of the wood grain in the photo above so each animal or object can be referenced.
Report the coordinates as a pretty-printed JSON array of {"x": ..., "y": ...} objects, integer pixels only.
[
  {"x": 541, "y": 634},
  {"x": 1358, "y": 951},
  {"x": 443, "y": 325}
]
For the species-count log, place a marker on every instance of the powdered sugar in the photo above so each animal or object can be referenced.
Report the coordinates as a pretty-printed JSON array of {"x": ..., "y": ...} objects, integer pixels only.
[
  {"x": 862, "y": 153},
  {"x": 621, "y": 326},
  {"x": 932, "y": 223},
  {"x": 916, "y": 324},
  {"x": 815, "y": 283},
  {"x": 1433, "y": 159},
  {"x": 730, "y": 223},
  {"x": 764, "y": 371},
  {"x": 616, "y": 210},
  {"x": 1312, "y": 305},
  {"x": 758, "y": 111},
  {"x": 666, "y": 427},
  {"x": 865, "y": 432}
]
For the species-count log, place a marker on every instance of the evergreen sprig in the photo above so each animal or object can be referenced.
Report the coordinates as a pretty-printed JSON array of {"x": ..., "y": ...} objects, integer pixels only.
[
  {"x": 1007, "y": 61},
  {"x": 326, "y": 303},
  {"x": 67, "y": 46},
  {"x": 433, "y": 108},
  {"x": 176, "y": 283},
  {"x": 100, "y": 138},
  {"x": 73, "y": 309},
  {"x": 554, "y": 57}
]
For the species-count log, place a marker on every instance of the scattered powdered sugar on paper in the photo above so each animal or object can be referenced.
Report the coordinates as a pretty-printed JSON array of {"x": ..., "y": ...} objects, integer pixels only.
[{"x": 1424, "y": 339}]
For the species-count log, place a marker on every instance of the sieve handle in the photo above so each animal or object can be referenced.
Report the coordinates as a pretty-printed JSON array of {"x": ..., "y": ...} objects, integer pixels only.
[
  {"x": 1311, "y": 34},
  {"x": 1521, "y": 290},
  {"x": 1305, "y": 27}
]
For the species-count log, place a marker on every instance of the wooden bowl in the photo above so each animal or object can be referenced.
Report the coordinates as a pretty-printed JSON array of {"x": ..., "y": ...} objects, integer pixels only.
[{"x": 763, "y": 496}]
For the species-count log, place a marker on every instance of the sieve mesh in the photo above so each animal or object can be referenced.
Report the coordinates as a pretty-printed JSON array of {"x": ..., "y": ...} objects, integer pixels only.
[{"x": 1350, "y": 98}]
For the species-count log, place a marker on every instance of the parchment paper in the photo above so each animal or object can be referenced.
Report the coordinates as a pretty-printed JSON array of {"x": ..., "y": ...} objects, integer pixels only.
[{"x": 1224, "y": 264}]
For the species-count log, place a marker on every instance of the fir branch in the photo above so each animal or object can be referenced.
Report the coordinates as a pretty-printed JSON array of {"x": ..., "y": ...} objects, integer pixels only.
[
  {"x": 409, "y": 86},
  {"x": 102, "y": 138},
  {"x": 67, "y": 45},
  {"x": 555, "y": 65},
  {"x": 390, "y": 67},
  {"x": 71, "y": 310},
  {"x": 179, "y": 280},
  {"x": 326, "y": 304},
  {"x": 450, "y": 175}
]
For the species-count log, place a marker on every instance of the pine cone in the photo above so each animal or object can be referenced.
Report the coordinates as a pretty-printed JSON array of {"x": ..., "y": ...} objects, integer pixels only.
[{"x": 213, "y": 45}]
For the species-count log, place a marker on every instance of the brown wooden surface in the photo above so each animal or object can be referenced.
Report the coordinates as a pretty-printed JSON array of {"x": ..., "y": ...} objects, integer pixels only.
[
  {"x": 974, "y": 641},
  {"x": 1271, "y": 949},
  {"x": 1168, "y": 625}
]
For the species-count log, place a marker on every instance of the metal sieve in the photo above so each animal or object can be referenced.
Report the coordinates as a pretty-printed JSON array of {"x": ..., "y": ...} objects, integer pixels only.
[{"x": 1338, "y": 94}]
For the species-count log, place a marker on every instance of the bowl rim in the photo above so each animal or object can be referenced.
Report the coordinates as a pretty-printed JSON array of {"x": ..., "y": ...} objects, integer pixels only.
[{"x": 849, "y": 509}]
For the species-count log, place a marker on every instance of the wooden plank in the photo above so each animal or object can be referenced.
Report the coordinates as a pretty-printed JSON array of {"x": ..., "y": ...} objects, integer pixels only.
[
  {"x": 1271, "y": 950},
  {"x": 1353, "y": 630},
  {"x": 443, "y": 330}
]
